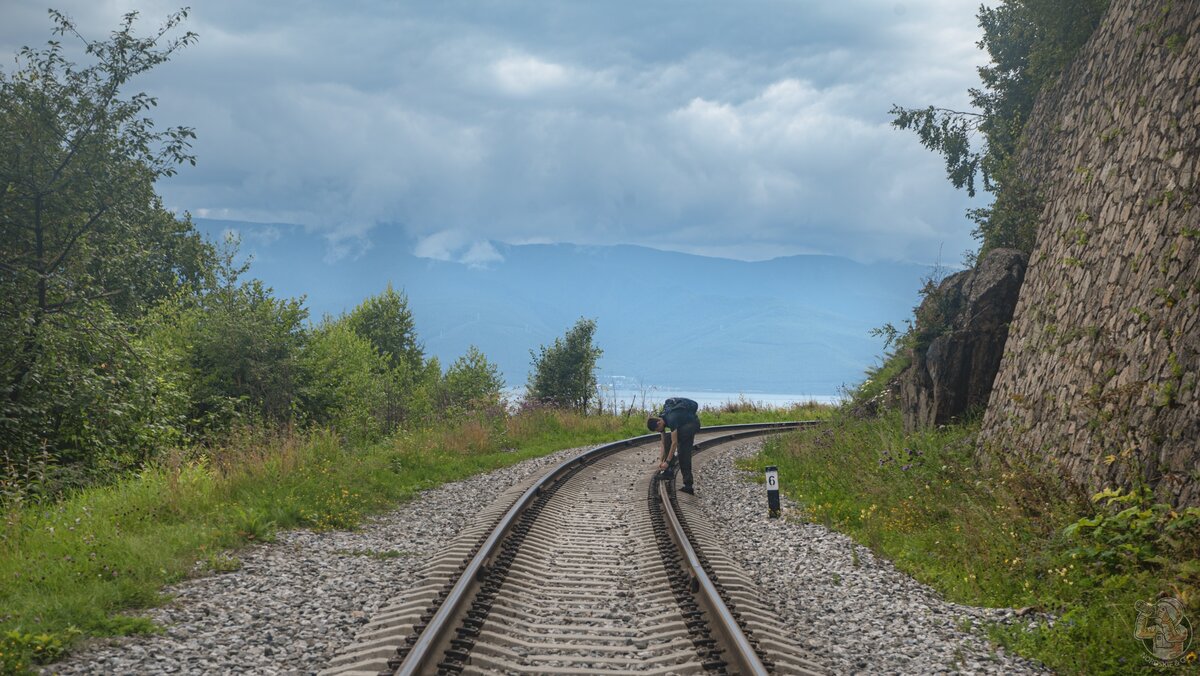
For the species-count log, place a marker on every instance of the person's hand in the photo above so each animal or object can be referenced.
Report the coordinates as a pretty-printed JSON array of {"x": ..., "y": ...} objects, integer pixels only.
[{"x": 662, "y": 465}]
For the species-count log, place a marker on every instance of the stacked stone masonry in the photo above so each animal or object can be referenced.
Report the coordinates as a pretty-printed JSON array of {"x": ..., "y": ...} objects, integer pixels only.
[{"x": 1099, "y": 373}]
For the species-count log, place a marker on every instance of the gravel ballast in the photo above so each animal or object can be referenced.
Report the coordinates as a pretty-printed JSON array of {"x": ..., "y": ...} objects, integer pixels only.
[{"x": 296, "y": 601}]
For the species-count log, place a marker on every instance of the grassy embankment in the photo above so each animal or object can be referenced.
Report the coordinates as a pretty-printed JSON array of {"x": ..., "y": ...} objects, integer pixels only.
[
  {"x": 69, "y": 569},
  {"x": 1010, "y": 536}
]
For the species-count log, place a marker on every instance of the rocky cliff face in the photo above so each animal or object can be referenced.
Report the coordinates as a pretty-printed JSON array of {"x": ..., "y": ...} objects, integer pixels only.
[
  {"x": 1100, "y": 371},
  {"x": 953, "y": 374}
]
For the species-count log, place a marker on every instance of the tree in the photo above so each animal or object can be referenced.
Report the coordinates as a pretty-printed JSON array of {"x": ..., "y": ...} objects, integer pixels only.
[
  {"x": 1029, "y": 42},
  {"x": 343, "y": 380},
  {"x": 564, "y": 374},
  {"x": 78, "y": 212},
  {"x": 473, "y": 381},
  {"x": 243, "y": 350},
  {"x": 85, "y": 244},
  {"x": 386, "y": 321}
]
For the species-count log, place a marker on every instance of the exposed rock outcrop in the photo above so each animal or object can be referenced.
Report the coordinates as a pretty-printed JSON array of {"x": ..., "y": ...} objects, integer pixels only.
[
  {"x": 965, "y": 321},
  {"x": 1100, "y": 374}
]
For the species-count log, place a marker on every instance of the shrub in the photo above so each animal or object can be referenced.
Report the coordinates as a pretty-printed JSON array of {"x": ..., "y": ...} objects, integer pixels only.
[
  {"x": 342, "y": 381},
  {"x": 91, "y": 401},
  {"x": 564, "y": 374},
  {"x": 473, "y": 382}
]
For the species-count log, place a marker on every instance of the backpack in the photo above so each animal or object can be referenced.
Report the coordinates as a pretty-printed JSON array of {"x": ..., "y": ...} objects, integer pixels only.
[{"x": 682, "y": 403}]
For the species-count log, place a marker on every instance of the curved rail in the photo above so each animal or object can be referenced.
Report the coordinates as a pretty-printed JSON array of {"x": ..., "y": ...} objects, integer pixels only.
[
  {"x": 437, "y": 633},
  {"x": 720, "y": 616}
]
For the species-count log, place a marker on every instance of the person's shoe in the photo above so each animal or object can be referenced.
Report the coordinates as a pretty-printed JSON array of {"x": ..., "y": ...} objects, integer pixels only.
[{"x": 688, "y": 489}]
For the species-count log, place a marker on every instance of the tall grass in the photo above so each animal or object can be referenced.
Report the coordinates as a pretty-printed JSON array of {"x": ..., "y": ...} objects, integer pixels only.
[
  {"x": 997, "y": 534},
  {"x": 746, "y": 410}
]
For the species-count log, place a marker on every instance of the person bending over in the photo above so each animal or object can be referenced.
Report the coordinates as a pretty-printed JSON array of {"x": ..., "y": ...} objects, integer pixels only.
[{"x": 678, "y": 416}]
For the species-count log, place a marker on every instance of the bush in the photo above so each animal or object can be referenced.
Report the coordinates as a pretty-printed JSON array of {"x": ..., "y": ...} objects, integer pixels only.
[
  {"x": 343, "y": 380},
  {"x": 387, "y": 323},
  {"x": 564, "y": 374},
  {"x": 92, "y": 400},
  {"x": 236, "y": 350},
  {"x": 473, "y": 382}
]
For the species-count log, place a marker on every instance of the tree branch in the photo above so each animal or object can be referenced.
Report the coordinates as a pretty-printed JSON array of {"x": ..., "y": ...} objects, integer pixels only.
[
  {"x": 61, "y": 307},
  {"x": 75, "y": 238},
  {"x": 110, "y": 334},
  {"x": 957, "y": 112}
]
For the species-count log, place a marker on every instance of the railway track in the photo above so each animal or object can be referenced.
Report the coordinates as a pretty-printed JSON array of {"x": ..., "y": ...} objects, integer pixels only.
[{"x": 595, "y": 567}]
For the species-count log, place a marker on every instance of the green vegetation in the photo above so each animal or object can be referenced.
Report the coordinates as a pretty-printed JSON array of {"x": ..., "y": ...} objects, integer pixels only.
[
  {"x": 85, "y": 248},
  {"x": 564, "y": 374},
  {"x": 125, "y": 336},
  {"x": 473, "y": 382},
  {"x": 1029, "y": 42},
  {"x": 998, "y": 534},
  {"x": 879, "y": 377},
  {"x": 745, "y": 410},
  {"x": 69, "y": 568}
]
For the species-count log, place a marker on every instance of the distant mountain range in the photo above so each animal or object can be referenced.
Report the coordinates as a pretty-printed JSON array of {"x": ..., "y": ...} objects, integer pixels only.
[{"x": 794, "y": 325}]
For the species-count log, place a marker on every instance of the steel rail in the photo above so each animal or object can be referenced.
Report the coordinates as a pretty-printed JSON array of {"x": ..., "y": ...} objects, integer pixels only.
[
  {"x": 424, "y": 652},
  {"x": 721, "y": 618}
]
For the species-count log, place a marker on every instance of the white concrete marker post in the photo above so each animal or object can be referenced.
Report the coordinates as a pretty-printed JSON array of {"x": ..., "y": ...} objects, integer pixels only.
[{"x": 773, "y": 492}]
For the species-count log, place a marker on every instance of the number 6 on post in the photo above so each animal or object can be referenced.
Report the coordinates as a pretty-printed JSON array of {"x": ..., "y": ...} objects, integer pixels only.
[{"x": 772, "y": 492}]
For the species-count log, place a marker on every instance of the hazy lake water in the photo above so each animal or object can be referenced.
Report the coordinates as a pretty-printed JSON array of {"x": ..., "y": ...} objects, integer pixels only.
[
  {"x": 620, "y": 393},
  {"x": 654, "y": 397}
]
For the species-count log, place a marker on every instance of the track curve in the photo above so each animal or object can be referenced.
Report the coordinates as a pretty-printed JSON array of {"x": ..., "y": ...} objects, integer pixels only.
[{"x": 595, "y": 567}]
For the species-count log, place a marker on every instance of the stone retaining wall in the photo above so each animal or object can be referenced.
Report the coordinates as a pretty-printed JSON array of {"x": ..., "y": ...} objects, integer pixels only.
[{"x": 1100, "y": 370}]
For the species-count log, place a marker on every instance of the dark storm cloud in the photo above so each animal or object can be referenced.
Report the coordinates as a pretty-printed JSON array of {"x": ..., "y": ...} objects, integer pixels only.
[{"x": 740, "y": 129}]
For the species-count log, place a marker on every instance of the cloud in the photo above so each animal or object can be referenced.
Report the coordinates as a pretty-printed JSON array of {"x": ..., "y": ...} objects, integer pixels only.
[
  {"x": 480, "y": 254},
  {"x": 456, "y": 246},
  {"x": 523, "y": 75},
  {"x": 749, "y": 130},
  {"x": 440, "y": 246}
]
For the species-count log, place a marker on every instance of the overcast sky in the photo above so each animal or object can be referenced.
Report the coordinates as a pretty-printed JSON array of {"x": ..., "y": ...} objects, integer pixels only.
[{"x": 739, "y": 129}]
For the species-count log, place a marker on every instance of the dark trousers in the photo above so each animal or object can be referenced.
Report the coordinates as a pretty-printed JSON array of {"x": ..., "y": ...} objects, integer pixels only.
[{"x": 687, "y": 439}]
